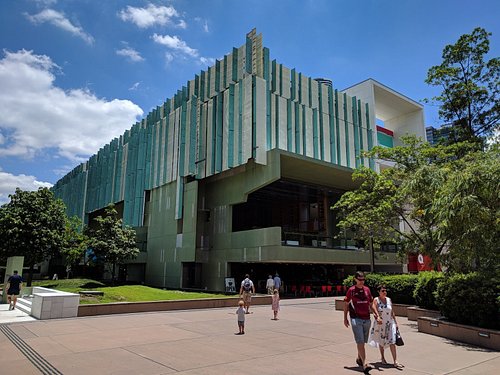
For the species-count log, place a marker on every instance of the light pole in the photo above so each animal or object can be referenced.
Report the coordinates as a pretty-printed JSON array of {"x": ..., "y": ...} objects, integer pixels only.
[{"x": 372, "y": 253}]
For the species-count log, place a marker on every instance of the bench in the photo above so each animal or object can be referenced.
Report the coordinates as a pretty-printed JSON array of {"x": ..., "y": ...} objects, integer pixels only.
[{"x": 91, "y": 293}]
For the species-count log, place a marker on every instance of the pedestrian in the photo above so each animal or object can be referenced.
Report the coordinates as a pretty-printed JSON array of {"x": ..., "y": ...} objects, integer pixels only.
[
  {"x": 383, "y": 332},
  {"x": 246, "y": 290},
  {"x": 275, "y": 303},
  {"x": 270, "y": 285},
  {"x": 277, "y": 281},
  {"x": 358, "y": 301},
  {"x": 241, "y": 318},
  {"x": 14, "y": 285}
]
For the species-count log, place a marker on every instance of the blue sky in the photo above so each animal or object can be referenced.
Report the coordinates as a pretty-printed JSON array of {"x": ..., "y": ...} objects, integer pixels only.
[{"x": 76, "y": 73}]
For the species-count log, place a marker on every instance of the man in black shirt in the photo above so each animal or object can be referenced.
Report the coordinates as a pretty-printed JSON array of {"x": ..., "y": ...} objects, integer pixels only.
[{"x": 14, "y": 284}]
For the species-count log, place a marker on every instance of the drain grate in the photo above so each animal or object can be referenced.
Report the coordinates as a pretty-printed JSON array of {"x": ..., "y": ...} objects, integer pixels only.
[{"x": 36, "y": 359}]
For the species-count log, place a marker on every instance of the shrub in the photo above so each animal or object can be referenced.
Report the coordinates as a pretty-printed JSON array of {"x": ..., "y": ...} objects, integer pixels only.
[
  {"x": 400, "y": 287},
  {"x": 470, "y": 299},
  {"x": 425, "y": 289}
]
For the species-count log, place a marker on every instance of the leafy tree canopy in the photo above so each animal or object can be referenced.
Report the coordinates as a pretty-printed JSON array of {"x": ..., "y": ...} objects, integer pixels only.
[
  {"x": 470, "y": 97},
  {"x": 32, "y": 225},
  {"x": 440, "y": 201},
  {"x": 110, "y": 241}
]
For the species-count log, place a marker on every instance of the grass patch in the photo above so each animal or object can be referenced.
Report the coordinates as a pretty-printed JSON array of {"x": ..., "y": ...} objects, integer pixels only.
[{"x": 123, "y": 293}]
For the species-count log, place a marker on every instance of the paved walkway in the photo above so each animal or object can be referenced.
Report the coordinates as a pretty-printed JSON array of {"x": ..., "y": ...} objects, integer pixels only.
[{"x": 308, "y": 339}]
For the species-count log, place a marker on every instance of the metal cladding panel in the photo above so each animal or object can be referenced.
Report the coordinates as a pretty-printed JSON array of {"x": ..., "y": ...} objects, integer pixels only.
[
  {"x": 193, "y": 110},
  {"x": 246, "y": 151},
  {"x": 298, "y": 128},
  {"x": 157, "y": 137},
  {"x": 192, "y": 89},
  {"x": 274, "y": 77},
  {"x": 282, "y": 123},
  {"x": 210, "y": 137},
  {"x": 304, "y": 91},
  {"x": 356, "y": 132},
  {"x": 161, "y": 151},
  {"x": 185, "y": 139},
  {"x": 274, "y": 120},
  {"x": 343, "y": 150},
  {"x": 291, "y": 116},
  {"x": 202, "y": 142},
  {"x": 294, "y": 85},
  {"x": 179, "y": 197},
  {"x": 309, "y": 136},
  {"x": 285, "y": 82},
  {"x": 219, "y": 133},
  {"x": 326, "y": 138},
  {"x": 325, "y": 108},
  {"x": 260, "y": 121},
  {"x": 314, "y": 93},
  {"x": 316, "y": 138},
  {"x": 177, "y": 136},
  {"x": 170, "y": 145},
  {"x": 225, "y": 132},
  {"x": 241, "y": 62},
  {"x": 123, "y": 179}
]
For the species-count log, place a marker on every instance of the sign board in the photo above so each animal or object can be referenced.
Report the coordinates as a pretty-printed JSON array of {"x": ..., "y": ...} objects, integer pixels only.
[{"x": 230, "y": 284}]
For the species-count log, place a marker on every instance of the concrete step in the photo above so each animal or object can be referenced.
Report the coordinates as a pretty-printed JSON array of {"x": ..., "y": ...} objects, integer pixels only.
[{"x": 24, "y": 304}]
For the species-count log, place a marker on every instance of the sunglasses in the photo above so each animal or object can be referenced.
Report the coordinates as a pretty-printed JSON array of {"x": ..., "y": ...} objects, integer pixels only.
[
  {"x": 383, "y": 290},
  {"x": 361, "y": 279}
]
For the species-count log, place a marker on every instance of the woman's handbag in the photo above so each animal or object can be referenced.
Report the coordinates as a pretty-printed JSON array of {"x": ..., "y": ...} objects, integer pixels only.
[{"x": 399, "y": 339}]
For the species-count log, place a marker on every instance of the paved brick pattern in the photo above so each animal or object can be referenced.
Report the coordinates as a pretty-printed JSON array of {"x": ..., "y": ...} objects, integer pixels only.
[{"x": 308, "y": 339}]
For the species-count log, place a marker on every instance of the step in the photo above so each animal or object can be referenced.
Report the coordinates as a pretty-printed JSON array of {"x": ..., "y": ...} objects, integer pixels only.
[{"x": 24, "y": 304}]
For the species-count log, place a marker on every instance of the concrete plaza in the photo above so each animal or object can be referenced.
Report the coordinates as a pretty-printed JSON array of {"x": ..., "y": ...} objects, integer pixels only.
[{"x": 309, "y": 338}]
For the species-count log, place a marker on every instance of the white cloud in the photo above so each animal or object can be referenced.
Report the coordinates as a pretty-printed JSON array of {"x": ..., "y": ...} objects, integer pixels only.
[
  {"x": 180, "y": 50},
  {"x": 9, "y": 183},
  {"x": 37, "y": 115},
  {"x": 59, "y": 20},
  {"x": 134, "y": 87},
  {"x": 130, "y": 53},
  {"x": 175, "y": 43},
  {"x": 205, "y": 27},
  {"x": 151, "y": 15},
  {"x": 182, "y": 24}
]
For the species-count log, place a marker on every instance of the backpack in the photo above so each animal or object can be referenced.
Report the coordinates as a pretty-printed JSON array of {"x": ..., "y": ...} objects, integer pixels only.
[{"x": 247, "y": 286}]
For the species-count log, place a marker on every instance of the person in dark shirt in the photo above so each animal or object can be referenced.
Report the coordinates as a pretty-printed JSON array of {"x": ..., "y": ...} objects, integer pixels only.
[
  {"x": 358, "y": 301},
  {"x": 14, "y": 285}
]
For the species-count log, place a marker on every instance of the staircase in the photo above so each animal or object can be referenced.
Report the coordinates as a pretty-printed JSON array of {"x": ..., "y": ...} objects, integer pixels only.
[{"x": 24, "y": 304}]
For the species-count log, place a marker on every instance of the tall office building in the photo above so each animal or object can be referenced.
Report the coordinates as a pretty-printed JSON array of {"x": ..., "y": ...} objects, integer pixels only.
[{"x": 237, "y": 172}]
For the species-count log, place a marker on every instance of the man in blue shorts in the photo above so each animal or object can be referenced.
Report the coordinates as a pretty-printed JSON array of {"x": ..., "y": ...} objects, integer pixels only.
[
  {"x": 14, "y": 284},
  {"x": 358, "y": 301}
]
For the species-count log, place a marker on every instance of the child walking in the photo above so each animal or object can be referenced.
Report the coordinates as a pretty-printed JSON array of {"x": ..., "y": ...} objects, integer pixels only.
[
  {"x": 275, "y": 303},
  {"x": 241, "y": 318}
]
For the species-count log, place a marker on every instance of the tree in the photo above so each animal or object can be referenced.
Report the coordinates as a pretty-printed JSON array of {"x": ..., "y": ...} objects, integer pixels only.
[
  {"x": 470, "y": 99},
  {"x": 75, "y": 241},
  {"x": 426, "y": 190},
  {"x": 32, "y": 225},
  {"x": 468, "y": 209},
  {"x": 110, "y": 241}
]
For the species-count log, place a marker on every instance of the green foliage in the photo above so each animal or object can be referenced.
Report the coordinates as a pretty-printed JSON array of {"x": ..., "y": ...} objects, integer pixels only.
[
  {"x": 75, "y": 242},
  {"x": 400, "y": 287},
  {"x": 110, "y": 241},
  {"x": 467, "y": 208},
  {"x": 470, "y": 299},
  {"x": 447, "y": 197},
  {"x": 425, "y": 289},
  {"x": 470, "y": 99},
  {"x": 32, "y": 225}
]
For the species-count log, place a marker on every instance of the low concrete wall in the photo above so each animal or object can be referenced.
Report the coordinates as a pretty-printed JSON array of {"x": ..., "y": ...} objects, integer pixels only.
[
  {"x": 415, "y": 312},
  {"x": 134, "y": 307},
  {"x": 52, "y": 304},
  {"x": 486, "y": 338}
]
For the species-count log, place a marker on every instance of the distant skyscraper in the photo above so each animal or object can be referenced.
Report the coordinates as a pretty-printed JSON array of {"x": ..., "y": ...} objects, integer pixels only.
[{"x": 435, "y": 135}]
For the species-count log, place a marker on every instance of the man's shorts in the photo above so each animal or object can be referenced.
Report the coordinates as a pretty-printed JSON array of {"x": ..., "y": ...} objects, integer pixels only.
[
  {"x": 13, "y": 292},
  {"x": 241, "y": 323},
  {"x": 361, "y": 329},
  {"x": 247, "y": 297}
]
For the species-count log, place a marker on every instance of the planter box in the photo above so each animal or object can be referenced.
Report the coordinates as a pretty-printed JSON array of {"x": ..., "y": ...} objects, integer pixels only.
[
  {"x": 399, "y": 309},
  {"x": 415, "y": 312},
  {"x": 134, "y": 307},
  {"x": 486, "y": 338}
]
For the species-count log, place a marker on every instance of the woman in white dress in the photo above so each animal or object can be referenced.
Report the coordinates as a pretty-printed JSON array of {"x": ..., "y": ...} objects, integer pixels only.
[{"x": 383, "y": 332}]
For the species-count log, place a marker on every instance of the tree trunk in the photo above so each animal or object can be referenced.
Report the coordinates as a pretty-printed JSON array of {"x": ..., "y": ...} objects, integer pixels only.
[
  {"x": 30, "y": 275},
  {"x": 113, "y": 274}
]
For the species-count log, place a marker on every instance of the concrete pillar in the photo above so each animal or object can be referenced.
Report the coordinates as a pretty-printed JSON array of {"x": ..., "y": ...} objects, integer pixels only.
[{"x": 13, "y": 263}]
